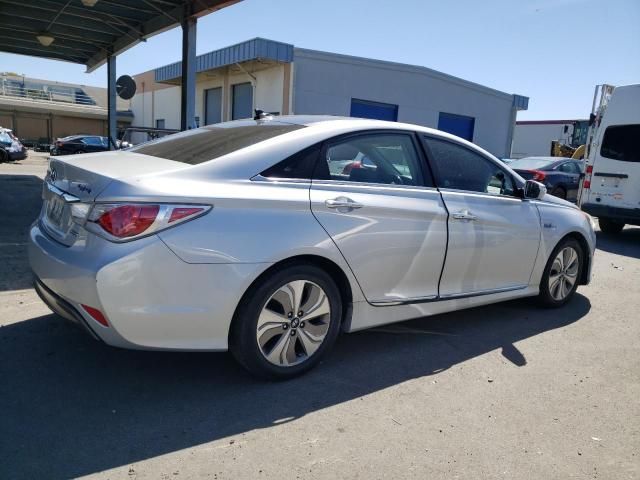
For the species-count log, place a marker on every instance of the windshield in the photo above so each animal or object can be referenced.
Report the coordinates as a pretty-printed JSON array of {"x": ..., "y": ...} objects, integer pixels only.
[
  {"x": 204, "y": 144},
  {"x": 5, "y": 138},
  {"x": 531, "y": 163}
]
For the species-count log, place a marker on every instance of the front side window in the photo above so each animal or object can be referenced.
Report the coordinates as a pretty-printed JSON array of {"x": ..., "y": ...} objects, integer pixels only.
[
  {"x": 385, "y": 158},
  {"x": 459, "y": 168},
  {"x": 95, "y": 141},
  {"x": 620, "y": 142},
  {"x": 568, "y": 168},
  {"x": 207, "y": 143}
]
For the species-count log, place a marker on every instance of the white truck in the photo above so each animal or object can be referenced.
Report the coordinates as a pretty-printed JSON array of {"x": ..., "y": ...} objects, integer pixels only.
[{"x": 610, "y": 189}]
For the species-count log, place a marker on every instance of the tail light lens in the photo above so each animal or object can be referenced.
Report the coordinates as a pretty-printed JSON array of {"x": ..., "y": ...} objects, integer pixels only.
[
  {"x": 538, "y": 175},
  {"x": 123, "y": 222},
  {"x": 589, "y": 169},
  {"x": 586, "y": 183}
]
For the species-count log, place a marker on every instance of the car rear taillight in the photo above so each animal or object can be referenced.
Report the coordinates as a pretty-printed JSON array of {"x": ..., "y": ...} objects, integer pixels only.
[
  {"x": 128, "y": 220},
  {"x": 538, "y": 175},
  {"x": 122, "y": 222},
  {"x": 586, "y": 183}
]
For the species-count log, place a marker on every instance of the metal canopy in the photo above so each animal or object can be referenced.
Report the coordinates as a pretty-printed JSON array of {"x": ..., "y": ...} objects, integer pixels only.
[{"x": 88, "y": 35}]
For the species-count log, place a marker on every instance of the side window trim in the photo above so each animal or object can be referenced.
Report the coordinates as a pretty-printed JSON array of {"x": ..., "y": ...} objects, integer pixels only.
[
  {"x": 436, "y": 175},
  {"x": 421, "y": 179}
]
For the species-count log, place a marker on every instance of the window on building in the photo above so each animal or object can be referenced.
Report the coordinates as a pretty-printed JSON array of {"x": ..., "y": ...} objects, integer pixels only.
[
  {"x": 459, "y": 125},
  {"x": 620, "y": 142},
  {"x": 459, "y": 168},
  {"x": 375, "y": 110},
  {"x": 371, "y": 158},
  {"x": 160, "y": 123},
  {"x": 242, "y": 102}
]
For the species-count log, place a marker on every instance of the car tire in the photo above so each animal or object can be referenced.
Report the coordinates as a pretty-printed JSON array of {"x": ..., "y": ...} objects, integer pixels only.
[
  {"x": 559, "y": 192},
  {"x": 269, "y": 339},
  {"x": 4, "y": 156},
  {"x": 556, "y": 288},
  {"x": 610, "y": 226}
]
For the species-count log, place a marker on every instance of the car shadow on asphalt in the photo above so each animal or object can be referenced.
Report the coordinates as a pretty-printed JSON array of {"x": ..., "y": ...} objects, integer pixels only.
[
  {"x": 625, "y": 243},
  {"x": 20, "y": 202},
  {"x": 72, "y": 406}
]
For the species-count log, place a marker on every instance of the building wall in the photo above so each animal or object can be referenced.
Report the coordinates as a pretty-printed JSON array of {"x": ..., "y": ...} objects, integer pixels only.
[
  {"x": 164, "y": 103},
  {"x": 325, "y": 83},
  {"x": 535, "y": 139}
]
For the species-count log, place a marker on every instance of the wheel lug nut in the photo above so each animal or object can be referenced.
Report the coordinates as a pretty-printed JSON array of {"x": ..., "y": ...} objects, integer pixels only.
[
  {"x": 300, "y": 313},
  {"x": 301, "y": 324},
  {"x": 290, "y": 314},
  {"x": 293, "y": 333},
  {"x": 285, "y": 325}
]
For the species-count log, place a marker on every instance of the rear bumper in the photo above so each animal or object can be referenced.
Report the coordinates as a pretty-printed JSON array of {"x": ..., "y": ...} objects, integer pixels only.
[
  {"x": 59, "y": 305},
  {"x": 624, "y": 215},
  {"x": 151, "y": 299}
]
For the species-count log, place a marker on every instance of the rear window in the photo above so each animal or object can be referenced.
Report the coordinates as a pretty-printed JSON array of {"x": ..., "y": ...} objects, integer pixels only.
[
  {"x": 204, "y": 144},
  {"x": 531, "y": 163},
  {"x": 620, "y": 142}
]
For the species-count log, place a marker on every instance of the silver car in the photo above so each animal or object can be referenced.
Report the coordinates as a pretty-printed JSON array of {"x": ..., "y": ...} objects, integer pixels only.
[{"x": 269, "y": 237}]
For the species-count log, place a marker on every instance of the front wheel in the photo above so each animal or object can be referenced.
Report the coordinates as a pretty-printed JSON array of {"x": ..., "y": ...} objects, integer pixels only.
[
  {"x": 610, "y": 226},
  {"x": 287, "y": 322},
  {"x": 560, "y": 277}
]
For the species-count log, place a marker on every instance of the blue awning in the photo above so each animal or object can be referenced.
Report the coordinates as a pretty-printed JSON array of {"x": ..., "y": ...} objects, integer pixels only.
[{"x": 255, "y": 49}]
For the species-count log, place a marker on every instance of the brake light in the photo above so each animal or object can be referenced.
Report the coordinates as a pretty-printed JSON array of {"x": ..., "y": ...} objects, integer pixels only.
[
  {"x": 128, "y": 220},
  {"x": 586, "y": 184},
  {"x": 589, "y": 169},
  {"x": 122, "y": 222},
  {"x": 538, "y": 175}
]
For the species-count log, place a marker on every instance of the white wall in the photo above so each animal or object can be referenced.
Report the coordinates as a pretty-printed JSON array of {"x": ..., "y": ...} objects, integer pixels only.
[
  {"x": 535, "y": 139},
  {"x": 325, "y": 83}
]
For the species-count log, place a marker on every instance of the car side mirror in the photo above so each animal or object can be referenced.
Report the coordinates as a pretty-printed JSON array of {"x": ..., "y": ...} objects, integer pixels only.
[{"x": 534, "y": 190}]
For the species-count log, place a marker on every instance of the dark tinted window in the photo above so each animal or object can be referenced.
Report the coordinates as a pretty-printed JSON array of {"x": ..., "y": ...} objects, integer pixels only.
[
  {"x": 459, "y": 168},
  {"x": 620, "y": 142},
  {"x": 300, "y": 165},
  {"x": 569, "y": 167},
  {"x": 206, "y": 143},
  {"x": 371, "y": 158}
]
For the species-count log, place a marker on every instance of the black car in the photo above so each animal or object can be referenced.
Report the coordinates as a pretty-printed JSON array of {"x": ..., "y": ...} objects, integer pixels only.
[
  {"x": 560, "y": 175},
  {"x": 80, "y": 144}
]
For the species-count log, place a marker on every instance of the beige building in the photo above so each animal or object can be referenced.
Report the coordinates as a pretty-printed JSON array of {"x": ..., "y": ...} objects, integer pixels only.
[{"x": 42, "y": 110}]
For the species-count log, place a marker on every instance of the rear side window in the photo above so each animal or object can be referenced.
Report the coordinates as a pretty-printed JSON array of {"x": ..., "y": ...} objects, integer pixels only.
[
  {"x": 459, "y": 168},
  {"x": 298, "y": 166},
  {"x": 207, "y": 143},
  {"x": 620, "y": 142}
]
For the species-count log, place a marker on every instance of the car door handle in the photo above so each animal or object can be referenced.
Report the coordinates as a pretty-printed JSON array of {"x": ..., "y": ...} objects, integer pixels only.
[
  {"x": 464, "y": 215},
  {"x": 342, "y": 202}
]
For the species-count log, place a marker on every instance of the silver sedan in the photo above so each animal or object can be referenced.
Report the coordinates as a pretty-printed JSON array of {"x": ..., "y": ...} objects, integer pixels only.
[{"x": 269, "y": 237}]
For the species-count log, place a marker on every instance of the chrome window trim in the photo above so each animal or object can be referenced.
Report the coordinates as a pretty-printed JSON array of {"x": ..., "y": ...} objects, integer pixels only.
[
  {"x": 496, "y": 196},
  {"x": 386, "y": 186}
]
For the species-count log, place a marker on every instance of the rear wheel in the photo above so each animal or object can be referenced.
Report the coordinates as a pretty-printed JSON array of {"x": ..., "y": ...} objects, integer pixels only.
[
  {"x": 4, "y": 156},
  {"x": 560, "y": 277},
  {"x": 287, "y": 322},
  {"x": 559, "y": 192},
  {"x": 610, "y": 226}
]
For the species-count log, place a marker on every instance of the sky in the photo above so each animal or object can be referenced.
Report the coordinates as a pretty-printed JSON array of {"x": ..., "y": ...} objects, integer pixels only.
[{"x": 552, "y": 51}]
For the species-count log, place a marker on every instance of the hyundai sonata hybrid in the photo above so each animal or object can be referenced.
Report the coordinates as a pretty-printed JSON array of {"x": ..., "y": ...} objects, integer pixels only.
[{"x": 269, "y": 237}]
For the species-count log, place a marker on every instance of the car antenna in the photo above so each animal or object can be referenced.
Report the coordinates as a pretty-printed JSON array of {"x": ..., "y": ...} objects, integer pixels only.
[{"x": 262, "y": 115}]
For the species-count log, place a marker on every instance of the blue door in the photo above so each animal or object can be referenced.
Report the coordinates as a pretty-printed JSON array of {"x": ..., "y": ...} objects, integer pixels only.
[
  {"x": 374, "y": 110},
  {"x": 459, "y": 125}
]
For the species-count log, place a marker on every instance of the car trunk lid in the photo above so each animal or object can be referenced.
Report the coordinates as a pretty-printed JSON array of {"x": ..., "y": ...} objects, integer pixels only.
[{"x": 80, "y": 179}]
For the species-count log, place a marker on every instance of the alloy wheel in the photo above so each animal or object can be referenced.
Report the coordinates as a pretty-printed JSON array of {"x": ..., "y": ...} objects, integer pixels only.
[
  {"x": 563, "y": 273},
  {"x": 293, "y": 323}
]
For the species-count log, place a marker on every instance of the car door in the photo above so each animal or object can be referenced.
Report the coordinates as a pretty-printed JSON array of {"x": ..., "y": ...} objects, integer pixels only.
[
  {"x": 372, "y": 195},
  {"x": 493, "y": 235},
  {"x": 571, "y": 178}
]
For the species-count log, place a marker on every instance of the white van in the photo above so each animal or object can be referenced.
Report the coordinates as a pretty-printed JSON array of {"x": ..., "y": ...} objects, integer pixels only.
[{"x": 610, "y": 189}]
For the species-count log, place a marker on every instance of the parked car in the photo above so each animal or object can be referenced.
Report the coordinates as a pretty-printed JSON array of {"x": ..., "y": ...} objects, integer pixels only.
[
  {"x": 243, "y": 236},
  {"x": 10, "y": 147},
  {"x": 611, "y": 188},
  {"x": 560, "y": 175},
  {"x": 80, "y": 144}
]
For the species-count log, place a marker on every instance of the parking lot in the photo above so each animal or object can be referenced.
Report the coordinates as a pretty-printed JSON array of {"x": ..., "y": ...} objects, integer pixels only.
[{"x": 504, "y": 391}]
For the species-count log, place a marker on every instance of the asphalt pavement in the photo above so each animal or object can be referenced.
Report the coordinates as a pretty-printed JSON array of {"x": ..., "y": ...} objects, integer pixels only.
[{"x": 505, "y": 391}]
